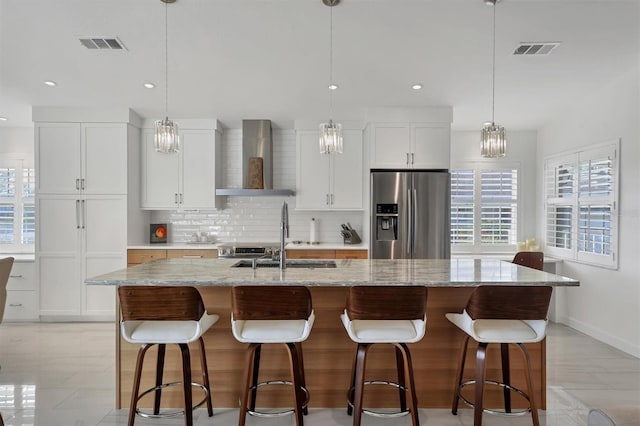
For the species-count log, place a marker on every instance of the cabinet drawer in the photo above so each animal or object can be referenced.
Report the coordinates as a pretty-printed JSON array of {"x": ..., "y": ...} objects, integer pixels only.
[
  {"x": 143, "y": 256},
  {"x": 21, "y": 305},
  {"x": 352, "y": 254},
  {"x": 192, "y": 254},
  {"x": 22, "y": 277},
  {"x": 311, "y": 254}
]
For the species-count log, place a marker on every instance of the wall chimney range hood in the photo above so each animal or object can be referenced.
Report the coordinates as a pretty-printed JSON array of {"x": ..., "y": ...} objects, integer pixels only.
[{"x": 257, "y": 144}]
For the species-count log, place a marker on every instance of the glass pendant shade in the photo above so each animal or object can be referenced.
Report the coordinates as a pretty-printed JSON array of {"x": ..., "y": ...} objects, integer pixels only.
[
  {"x": 493, "y": 141},
  {"x": 331, "y": 138},
  {"x": 166, "y": 137}
]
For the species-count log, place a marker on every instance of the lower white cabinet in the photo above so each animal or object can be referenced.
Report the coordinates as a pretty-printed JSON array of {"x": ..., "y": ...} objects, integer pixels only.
[
  {"x": 79, "y": 237},
  {"x": 22, "y": 302}
]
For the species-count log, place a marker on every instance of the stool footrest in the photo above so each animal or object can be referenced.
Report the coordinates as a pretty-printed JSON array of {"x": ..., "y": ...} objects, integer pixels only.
[
  {"x": 282, "y": 412},
  {"x": 373, "y": 413},
  {"x": 148, "y": 415},
  {"x": 491, "y": 411}
]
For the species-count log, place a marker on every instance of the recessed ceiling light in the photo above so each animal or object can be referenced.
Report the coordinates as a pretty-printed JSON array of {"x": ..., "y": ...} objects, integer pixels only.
[
  {"x": 416, "y": 86},
  {"x": 4, "y": 119},
  {"x": 149, "y": 85},
  {"x": 50, "y": 83},
  {"x": 333, "y": 86}
]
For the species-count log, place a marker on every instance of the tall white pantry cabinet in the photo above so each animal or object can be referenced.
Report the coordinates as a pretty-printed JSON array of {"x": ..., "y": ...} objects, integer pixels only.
[{"x": 82, "y": 188}]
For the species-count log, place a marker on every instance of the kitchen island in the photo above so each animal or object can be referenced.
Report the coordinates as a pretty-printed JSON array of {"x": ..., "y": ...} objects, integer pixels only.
[{"x": 329, "y": 352}]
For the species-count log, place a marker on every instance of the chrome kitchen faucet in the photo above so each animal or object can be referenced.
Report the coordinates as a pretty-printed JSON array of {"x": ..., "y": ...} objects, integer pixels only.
[{"x": 284, "y": 233}]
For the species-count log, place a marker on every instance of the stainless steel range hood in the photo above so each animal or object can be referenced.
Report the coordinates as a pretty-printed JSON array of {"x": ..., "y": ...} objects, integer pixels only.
[{"x": 257, "y": 143}]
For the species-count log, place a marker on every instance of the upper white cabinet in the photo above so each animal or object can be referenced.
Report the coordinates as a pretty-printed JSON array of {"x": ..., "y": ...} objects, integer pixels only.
[
  {"x": 329, "y": 182},
  {"x": 183, "y": 180},
  {"x": 77, "y": 158},
  {"x": 410, "y": 145}
]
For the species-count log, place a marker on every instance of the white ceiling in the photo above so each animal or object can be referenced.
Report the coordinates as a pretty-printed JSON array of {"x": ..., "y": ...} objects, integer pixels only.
[{"x": 235, "y": 59}]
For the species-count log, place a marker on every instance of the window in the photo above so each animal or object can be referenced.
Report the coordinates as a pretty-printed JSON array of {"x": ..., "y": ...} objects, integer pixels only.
[
  {"x": 581, "y": 198},
  {"x": 17, "y": 204},
  {"x": 484, "y": 208}
]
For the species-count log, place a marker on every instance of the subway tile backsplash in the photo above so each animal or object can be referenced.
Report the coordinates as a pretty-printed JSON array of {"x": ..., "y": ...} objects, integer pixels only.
[{"x": 253, "y": 219}]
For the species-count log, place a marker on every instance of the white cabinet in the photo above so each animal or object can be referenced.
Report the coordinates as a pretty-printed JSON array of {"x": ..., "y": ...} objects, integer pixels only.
[
  {"x": 76, "y": 158},
  {"x": 184, "y": 180},
  {"x": 410, "y": 145},
  {"x": 329, "y": 182},
  {"x": 22, "y": 303},
  {"x": 78, "y": 238}
]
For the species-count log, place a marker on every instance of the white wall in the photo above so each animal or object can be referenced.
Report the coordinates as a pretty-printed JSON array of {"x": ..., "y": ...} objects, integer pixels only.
[
  {"x": 257, "y": 218},
  {"x": 607, "y": 303},
  {"x": 16, "y": 140},
  {"x": 521, "y": 151}
]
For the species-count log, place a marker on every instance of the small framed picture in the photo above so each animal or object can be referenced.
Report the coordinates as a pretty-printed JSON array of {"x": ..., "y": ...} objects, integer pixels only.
[{"x": 158, "y": 233}]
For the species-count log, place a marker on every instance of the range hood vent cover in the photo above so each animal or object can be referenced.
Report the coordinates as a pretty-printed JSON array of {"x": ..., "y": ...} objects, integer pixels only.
[{"x": 256, "y": 142}]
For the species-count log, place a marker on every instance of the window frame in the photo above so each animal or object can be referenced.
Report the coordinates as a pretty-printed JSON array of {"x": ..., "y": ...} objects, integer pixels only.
[
  {"x": 575, "y": 158},
  {"x": 477, "y": 247},
  {"x": 19, "y": 162}
]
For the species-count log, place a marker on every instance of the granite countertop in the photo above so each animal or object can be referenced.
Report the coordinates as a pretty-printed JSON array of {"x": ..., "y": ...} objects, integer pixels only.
[{"x": 430, "y": 273}]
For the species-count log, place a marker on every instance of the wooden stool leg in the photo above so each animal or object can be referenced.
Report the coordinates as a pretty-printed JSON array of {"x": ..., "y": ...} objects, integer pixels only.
[
  {"x": 159, "y": 373},
  {"x": 303, "y": 382},
  {"x": 298, "y": 393},
  {"x": 529, "y": 377},
  {"x": 254, "y": 377},
  {"x": 361, "y": 360},
  {"x": 481, "y": 356},
  {"x": 186, "y": 379},
  {"x": 136, "y": 383},
  {"x": 400, "y": 364},
  {"x": 251, "y": 351},
  {"x": 504, "y": 351},
  {"x": 352, "y": 385},
  {"x": 459, "y": 374},
  {"x": 205, "y": 376},
  {"x": 411, "y": 387}
]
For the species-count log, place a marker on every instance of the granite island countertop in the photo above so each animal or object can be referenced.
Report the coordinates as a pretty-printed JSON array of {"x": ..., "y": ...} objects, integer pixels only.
[{"x": 348, "y": 272}]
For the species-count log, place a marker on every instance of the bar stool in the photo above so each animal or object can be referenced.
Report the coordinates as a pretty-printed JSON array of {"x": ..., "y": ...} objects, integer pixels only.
[
  {"x": 504, "y": 315},
  {"x": 530, "y": 259},
  {"x": 161, "y": 316},
  {"x": 394, "y": 315},
  {"x": 270, "y": 314}
]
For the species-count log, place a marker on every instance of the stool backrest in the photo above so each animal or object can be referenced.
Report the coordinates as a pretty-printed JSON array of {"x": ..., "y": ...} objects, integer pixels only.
[
  {"x": 530, "y": 259},
  {"x": 386, "y": 303},
  {"x": 5, "y": 270},
  {"x": 160, "y": 303},
  {"x": 509, "y": 302},
  {"x": 271, "y": 302}
]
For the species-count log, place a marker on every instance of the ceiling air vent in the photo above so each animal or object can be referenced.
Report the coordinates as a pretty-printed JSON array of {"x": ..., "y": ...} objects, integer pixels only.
[
  {"x": 102, "y": 43},
  {"x": 535, "y": 48}
]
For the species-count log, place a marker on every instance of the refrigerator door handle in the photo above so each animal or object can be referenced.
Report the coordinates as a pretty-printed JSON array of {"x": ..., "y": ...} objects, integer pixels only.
[
  {"x": 414, "y": 217},
  {"x": 409, "y": 224}
]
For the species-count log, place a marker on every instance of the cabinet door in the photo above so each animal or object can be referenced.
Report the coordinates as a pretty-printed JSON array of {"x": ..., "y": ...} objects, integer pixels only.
[
  {"x": 104, "y": 158},
  {"x": 198, "y": 169},
  {"x": 346, "y": 182},
  {"x": 160, "y": 176},
  {"x": 57, "y": 152},
  {"x": 390, "y": 145},
  {"x": 58, "y": 258},
  {"x": 312, "y": 189},
  {"x": 431, "y": 146},
  {"x": 104, "y": 249}
]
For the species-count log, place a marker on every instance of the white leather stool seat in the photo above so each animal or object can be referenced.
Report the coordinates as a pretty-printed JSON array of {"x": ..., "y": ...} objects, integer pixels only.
[
  {"x": 500, "y": 330},
  {"x": 164, "y": 332},
  {"x": 272, "y": 331},
  {"x": 384, "y": 331}
]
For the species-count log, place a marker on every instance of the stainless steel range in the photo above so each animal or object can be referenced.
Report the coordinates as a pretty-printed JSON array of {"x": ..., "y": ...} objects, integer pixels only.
[{"x": 249, "y": 250}]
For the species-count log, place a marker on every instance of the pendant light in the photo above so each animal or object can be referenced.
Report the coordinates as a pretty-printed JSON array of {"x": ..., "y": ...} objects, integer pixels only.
[
  {"x": 331, "y": 132},
  {"x": 166, "y": 137},
  {"x": 493, "y": 142}
]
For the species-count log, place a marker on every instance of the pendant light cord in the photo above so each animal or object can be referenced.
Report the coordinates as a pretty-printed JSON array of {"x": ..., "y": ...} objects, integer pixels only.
[
  {"x": 493, "y": 83},
  {"x": 330, "y": 62},
  {"x": 166, "y": 59}
]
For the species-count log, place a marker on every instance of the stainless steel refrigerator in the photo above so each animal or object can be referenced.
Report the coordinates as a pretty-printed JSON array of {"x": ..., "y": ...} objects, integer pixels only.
[{"x": 410, "y": 214}]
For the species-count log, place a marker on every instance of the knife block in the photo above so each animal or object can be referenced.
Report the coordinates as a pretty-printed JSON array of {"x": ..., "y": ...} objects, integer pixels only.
[{"x": 354, "y": 239}]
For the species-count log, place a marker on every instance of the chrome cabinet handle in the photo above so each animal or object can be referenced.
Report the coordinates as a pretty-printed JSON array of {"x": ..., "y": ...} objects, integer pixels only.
[
  {"x": 175, "y": 198},
  {"x": 412, "y": 158},
  {"x": 331, "y": 199},
  {"x": 15, "y": 305},
  {"x": 78, "y": 184},
  {"x": 181, "y": 198},
  {"x": 15, "y": 276},
  {"x": 327, "y": 199},
  {"x": 84, "y": 214},
  {"x": 77, "y": 214},
  {"x": 407, "y": 159},
  {"x": 82, "y": 183}
]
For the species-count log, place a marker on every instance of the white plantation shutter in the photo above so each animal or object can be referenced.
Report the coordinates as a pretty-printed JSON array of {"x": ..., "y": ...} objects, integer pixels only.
[
  {"x": 484, "y": 207},
  {"x": 17, "y": 204},
  {"x": 7, "y": 208},
  {"x": 581, "y": 216},
  {"x": 28, "y": 234}
]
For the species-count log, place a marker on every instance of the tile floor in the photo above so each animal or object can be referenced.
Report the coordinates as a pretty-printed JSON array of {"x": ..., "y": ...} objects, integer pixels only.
[{"x": 62, "y": 374}]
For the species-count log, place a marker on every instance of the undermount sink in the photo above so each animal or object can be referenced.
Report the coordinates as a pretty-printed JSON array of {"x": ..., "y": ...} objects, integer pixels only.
[{"x": 294, "y": 263}]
